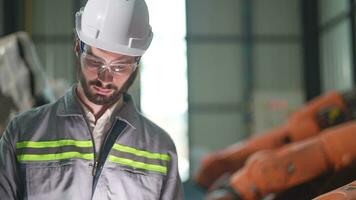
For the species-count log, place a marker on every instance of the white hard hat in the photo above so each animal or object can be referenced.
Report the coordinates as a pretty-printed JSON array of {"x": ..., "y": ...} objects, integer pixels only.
[{"x": 119, "y": 26}]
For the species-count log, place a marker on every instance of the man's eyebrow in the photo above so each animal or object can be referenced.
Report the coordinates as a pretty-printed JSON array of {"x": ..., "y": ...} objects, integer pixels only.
[
  {"x": 91, "y": 54},
  {"x": 120, "y": 60},
  {"x": 124, "y": 59}
]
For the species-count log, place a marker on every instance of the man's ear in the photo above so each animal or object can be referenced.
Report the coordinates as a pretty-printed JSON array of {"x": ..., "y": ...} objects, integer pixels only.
[{"x": 77, "y": 47}]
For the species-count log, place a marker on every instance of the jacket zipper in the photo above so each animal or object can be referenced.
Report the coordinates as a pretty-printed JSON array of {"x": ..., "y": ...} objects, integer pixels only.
[
  {"x": 95, "y": 167},
  {"x": 97, "y": 162},
  {"x": 104, "y": 150}
]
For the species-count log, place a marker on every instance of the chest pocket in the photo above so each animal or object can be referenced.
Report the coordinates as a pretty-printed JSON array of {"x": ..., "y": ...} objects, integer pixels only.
[
  {"x": 51, "y": 178},
  {"x": 129, "y": 183},
  {"x": 132, "y": 173},
  {"x": 53, "y": 168}
]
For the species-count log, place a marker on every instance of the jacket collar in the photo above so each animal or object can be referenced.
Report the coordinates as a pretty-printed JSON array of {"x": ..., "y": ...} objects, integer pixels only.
[
  {"x": 69, "y": 106},
  {"x": 128, "y": 112}
]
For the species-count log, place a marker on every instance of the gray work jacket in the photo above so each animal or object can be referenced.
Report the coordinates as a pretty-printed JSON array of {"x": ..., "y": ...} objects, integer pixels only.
[{"x": 48, "y": 153}]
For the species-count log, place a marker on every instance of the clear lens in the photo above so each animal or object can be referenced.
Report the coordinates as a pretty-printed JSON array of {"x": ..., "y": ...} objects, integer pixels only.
[
  {"x": 122, "y": 68},
  {"x": 94, "y": 63},
  {"x": 91, "y": 63}
]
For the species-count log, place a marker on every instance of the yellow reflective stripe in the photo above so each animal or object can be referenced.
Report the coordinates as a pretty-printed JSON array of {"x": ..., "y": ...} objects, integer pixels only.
[
  {"x": 138, "y": 165},
  {"x": 141, "y": 153},
  {"x": 55, "y": 156},
  {"x": 56, "y": 143}
]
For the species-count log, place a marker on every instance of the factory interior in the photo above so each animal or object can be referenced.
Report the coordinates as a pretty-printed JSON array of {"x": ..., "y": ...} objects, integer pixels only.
[{"x": 257, "y": 95}]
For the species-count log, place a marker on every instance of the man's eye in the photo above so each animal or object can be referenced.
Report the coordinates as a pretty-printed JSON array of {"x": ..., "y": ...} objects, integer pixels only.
[
  {"x": 93, "y": 63},
  {"x": 119, "y": 68}
]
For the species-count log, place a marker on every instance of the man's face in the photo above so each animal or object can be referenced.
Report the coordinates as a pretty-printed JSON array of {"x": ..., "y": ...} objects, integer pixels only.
[{"x": 101, "y": 86}]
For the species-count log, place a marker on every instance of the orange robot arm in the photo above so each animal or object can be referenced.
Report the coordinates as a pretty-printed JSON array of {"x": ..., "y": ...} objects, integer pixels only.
[
  {"x": 272, "y": 171},
  {"x": 306, "y": 122}
]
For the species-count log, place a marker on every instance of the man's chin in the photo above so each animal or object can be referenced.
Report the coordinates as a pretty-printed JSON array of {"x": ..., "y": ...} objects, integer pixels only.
[{"x": 100, "y": 99}]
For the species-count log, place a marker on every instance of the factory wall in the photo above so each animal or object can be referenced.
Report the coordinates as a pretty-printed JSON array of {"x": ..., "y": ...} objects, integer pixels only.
[
  {"x": 277, "y": 57},
  {"x": 51, "y": 28},
  {"x": 215, "y": 75},
  {"x": 336, "y": 45},
  {"x": 227, "y": 63}
]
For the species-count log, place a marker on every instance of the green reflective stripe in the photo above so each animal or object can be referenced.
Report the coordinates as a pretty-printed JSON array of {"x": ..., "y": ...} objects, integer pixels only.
[
  {"x": 55, "y": 156},
  {"x": 56, "y": 143},
  {"x": 138, "y": 165},
  {"x": 142, "y": 153}
]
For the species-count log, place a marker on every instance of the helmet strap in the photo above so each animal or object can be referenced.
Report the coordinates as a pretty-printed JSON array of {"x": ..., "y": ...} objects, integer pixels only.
[{"x": 81, "y": 45}]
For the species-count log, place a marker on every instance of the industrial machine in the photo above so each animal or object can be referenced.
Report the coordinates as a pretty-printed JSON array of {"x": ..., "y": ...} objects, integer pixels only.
[
  {"x": 273, "y": 171},
  {"x": 22, "y": 81},
  {"x": 323, "y": 112},
  {"x": 302, "y": 149}
]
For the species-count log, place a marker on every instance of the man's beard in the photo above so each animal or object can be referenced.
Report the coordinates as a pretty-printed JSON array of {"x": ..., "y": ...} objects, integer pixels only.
[{"x": 98, "y": 98}]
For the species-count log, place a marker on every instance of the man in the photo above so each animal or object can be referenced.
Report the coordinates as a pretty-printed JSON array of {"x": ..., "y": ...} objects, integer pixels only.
[{"x": 92, "y": 143}]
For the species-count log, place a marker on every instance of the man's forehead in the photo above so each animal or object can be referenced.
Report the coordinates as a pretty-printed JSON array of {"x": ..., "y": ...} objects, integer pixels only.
[{"x": 109, "y": 55}]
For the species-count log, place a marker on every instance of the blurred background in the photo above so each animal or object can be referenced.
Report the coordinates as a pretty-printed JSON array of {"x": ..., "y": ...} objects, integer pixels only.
[{"x": 216, "y": 73}]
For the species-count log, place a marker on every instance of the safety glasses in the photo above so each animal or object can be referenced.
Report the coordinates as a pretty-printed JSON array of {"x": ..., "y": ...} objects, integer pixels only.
[{"x": 96, "y": 64}]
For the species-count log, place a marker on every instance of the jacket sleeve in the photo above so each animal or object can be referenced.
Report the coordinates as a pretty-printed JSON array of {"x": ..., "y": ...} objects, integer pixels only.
[
  {"x": 172, "y": 189},
  {"x": 8, "y": 166}
]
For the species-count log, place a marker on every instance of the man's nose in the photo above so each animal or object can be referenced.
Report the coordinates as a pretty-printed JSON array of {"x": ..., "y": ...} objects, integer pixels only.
[{"x": 105, "y": 75}]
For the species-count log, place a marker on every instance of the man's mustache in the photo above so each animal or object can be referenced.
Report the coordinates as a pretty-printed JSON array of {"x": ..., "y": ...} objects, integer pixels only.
[{"x": 100, "y": 84}]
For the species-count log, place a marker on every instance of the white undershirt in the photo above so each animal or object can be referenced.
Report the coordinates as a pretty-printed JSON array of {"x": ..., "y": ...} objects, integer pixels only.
[{"x": 100, "y": 129}]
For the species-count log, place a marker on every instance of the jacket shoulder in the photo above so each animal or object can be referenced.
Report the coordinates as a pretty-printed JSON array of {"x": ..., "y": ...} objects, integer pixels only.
[
  {"x": 156, "y": 134},
  {"x": 37, "y": 113},
  {"x": 32, "y": 119},
  {"x": 20, "y": 123}
]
